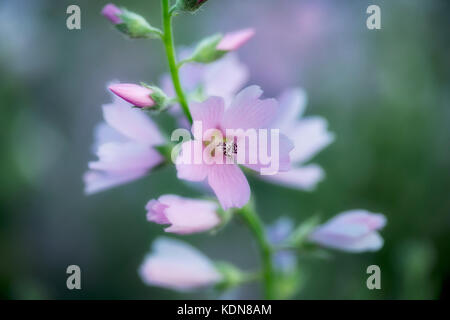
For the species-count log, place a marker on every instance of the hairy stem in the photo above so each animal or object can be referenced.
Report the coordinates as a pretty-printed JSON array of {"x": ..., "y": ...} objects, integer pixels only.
[
  {"x": 171, "y": 57},
  {"x": 256, "y": 226}
]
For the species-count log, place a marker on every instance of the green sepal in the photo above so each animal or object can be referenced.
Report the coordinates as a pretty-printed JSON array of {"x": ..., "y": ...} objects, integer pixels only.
[
  {"x": 135, "y": 26},
  {"x": 206, "y": 51}
]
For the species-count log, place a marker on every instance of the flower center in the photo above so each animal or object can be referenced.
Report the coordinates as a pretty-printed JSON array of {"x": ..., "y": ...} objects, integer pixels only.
[{"x": 229, "y": 148}]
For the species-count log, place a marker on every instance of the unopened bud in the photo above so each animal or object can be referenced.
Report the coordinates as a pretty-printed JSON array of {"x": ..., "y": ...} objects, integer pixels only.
[
  {"x": 216, "y": 46},
  {"x": 137, "y": 95},
  {"x": 130, "y": 23}
]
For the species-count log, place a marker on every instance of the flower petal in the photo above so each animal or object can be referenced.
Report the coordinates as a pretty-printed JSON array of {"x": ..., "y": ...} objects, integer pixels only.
[
  {"x": 225, "y": 77},
  {"x": 96, "y": 181},
  {"x": 186, "y": 164},
  {"x": 310, "y": 136},
  {"x": 292, "y": 105},
  {"x": 230, "y": 185},
  {"x": 247, "y": 111},
  {"x": 208, "y": 114},
  {"x": 131, "y": 122},
  {"x": 303, "y": 178},
  {"x": 123, "y": 157}
]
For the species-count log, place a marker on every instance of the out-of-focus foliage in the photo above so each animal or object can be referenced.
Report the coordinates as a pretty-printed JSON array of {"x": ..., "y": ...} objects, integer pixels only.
[{"x": 385, "y": 94}]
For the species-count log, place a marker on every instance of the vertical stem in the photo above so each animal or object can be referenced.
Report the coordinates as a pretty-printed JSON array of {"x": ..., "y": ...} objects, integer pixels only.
[
  {"x": 257, "y": 228},
  {"x": 171, "y": 58}
]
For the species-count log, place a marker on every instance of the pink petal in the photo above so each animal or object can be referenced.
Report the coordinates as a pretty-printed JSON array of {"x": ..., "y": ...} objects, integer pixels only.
[
  {"x": 176, "y": 265},
  {"x": 225, "y": 77},
  {"x": 207, "y": 114},
  {"x": 156, "y": 212},
  {"x": 292, "y": 104},
  {"x": 230, "y": 185},
  {"x": 131, "y": 122},
  {"x": 188, "y": 168},
  {"x": 123, "y": 157},
  {"x": 234, "y": 40},
  {"x": 303, "y": 178},
  {"x": 279, "y": 163},
  {"x": 247, "y": 111},
  {"x": 136, "y": 95},
  {"x": 96, "y": 181},
  {"x": 310, "y": 136}
]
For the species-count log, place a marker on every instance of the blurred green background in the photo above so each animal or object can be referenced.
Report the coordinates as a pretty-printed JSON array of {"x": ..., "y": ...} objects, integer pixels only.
[{"x": 385, "y": 94}]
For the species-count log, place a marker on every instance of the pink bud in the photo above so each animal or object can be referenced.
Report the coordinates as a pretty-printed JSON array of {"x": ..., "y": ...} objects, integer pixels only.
[
  {"x": 184, "y": 215},
  {"x": 112, "y": 12},
  {"x": 134, "y": 94},
  {"x": 176, "y": 265},
  {"x": 234, "y": 40},
  {"x": 353, "y": 231}
]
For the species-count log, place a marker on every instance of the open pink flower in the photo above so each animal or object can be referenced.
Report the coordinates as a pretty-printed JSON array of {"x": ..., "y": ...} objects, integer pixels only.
[
  {"x": 234, "y": 40},
  {"x": 353, "y": 231},
  {"x": 124, "y": 145},
  {"x": 184, "y": 215},
  {"x": 176, "y": 265},
  {"x": 112, "y": 13},
  {"x": 137, "y": 95},
  {"x": 310, "y": 135},
  {"x": 226, "y": 179}
]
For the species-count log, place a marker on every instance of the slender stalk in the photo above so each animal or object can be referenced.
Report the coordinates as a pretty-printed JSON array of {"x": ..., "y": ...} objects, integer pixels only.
[
  {"x": 257, "y": 228},
  {"x": 171, "y": 57}
]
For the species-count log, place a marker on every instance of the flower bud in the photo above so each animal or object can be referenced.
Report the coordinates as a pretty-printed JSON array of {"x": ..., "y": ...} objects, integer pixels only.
[
  {"x": 112, "y": 13},
  {"x": 216, "y": 46},
  {"x": 184, "y": 215},
  {"x": 130, "y": 23},
  {"x": 176, "y": 265},
  {"x": 189, "y": 5},
  {"x": 139, "y": 96},
  {"x": 352, "y": 231}
]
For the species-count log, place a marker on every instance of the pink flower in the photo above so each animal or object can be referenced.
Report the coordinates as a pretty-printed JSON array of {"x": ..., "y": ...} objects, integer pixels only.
[
  {"x": 184, "y": 215},
  {"x": 138, "y": 96},
  {"x": 176, "y": 265},
  {"x": 310, "y": 135},
  {"x": 112, "y": 13},
  {"x": 124, "y": 145},
  {"x": 226, "y": 179},
  {"x": 234, "y": 40},
  {"x": 353, "y": 231}
]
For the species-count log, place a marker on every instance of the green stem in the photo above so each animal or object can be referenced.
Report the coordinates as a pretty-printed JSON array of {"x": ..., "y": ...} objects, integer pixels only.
[
  {"x": 256, "y": 226},
  {"x": 171, "y": 57}
]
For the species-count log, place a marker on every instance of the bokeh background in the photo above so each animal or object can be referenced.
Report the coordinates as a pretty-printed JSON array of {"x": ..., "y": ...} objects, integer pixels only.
[{"x": 385, "y": 94}]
